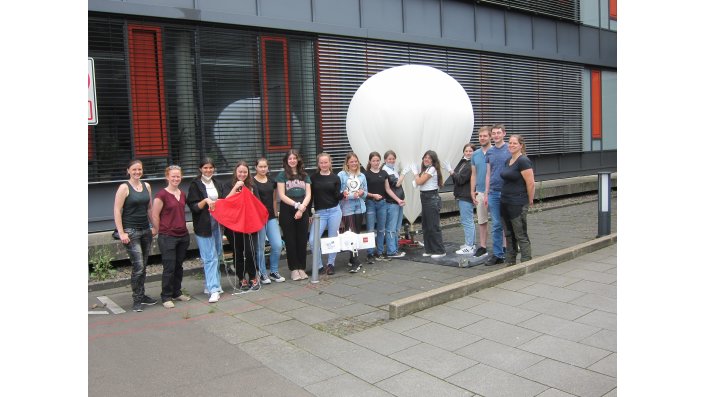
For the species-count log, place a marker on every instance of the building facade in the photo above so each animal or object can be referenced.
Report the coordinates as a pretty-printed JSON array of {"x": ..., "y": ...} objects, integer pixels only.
[{"x": 177, "y": 80}]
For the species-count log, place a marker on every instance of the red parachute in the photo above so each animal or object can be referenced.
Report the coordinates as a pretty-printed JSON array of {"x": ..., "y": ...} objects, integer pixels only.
[{"x": 242, "y": 212}]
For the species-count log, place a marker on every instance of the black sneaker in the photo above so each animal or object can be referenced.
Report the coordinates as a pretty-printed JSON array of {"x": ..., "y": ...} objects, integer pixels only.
[
  {"x": 382, "y": 258},
  {"x": 330, "y": 270},
  {"x": 137, "y": 307},
  {"x": 494, "y": 261},
  {"x": 480, "y": 251},
  {"x": 370, "y": 259},
  {"x": 149, "y": 301},
  {"x": 355, "y": 268}
]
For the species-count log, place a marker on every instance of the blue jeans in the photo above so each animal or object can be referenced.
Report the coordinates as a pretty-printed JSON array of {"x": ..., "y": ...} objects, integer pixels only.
[
  {"x": 138, "y": 251},
  {"x": 376, "y": 222},
  {"x": 274, "y": 235},
  {"x": 211, "y": 249},
  {"x": 468, "y": 221},
  {"x": 497, "y": 234},
  {"x": 330, "y": 220},
  {"x": 392, "y": 228}
]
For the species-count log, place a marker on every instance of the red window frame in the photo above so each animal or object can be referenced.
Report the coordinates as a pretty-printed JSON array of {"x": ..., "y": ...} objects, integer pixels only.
[
  {"x": 265, "y": 90},
  {"x": 147, "y": 91},
  {"x": 596, "y": 104},
  {"x": 613, "y": 9}
]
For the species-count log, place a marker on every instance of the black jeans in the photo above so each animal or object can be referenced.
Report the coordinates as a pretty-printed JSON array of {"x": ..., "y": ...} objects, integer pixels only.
[
  {"x": 245, "y": 251},
  {"x": 138, "y": 251},
  {"x": 173, "y": 250},
  {"x": 431, "y": 222},
  {"x": 295, "y": 233},
  {"x": 515, "y": 230}
]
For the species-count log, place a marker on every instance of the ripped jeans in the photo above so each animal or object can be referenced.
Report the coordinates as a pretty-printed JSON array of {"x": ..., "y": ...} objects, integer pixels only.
[{"x": 138, "y": 251}]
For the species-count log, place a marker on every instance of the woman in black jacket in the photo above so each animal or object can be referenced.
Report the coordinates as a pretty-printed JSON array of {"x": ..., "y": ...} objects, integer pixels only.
[
  {"x": 461, "y": 190},
  {"x": 202, "y": 195}
]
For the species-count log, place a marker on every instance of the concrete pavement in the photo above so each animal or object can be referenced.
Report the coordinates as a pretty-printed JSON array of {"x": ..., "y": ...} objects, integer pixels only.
[{"x": 547, "y": 333}]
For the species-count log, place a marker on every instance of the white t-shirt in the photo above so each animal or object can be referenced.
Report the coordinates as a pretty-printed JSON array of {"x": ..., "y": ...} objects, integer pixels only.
[{"x": 432, "y": 183}]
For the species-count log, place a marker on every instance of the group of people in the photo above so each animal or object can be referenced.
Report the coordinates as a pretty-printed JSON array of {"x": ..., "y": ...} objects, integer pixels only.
[
  {"x": 496, "y": 179},
  {"x": 501, "y": 183}
]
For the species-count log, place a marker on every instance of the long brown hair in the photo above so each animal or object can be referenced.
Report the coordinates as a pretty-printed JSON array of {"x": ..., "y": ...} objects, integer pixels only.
[
  {"x": 300, "y": 171},
  {"x": 435, "y": 163},
  {"x": 369, "y": 160},
  {"x": 248, "y": 180}
]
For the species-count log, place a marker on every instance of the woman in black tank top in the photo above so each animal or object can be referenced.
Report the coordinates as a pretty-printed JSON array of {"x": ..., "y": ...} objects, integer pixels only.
[{"x": 132, "y": 212}]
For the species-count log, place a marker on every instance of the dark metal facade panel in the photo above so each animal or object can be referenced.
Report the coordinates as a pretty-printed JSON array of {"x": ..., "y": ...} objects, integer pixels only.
[
  {"x": 337, "y": 12},
  {"x": 422, "y": 17},
  {"x": 490, "y": 26},
  {"x": 384, "y": 15},
  {"x": 589, "y": 43},
  {"x": 545, "y": 38},
  {"x": 297, "y": 10},
  {"x": 458, "y": 21},
  {"x": 519, "y": 31},
  {"x": 568, "y": 39},
  {"x": 608, "y": 45}
]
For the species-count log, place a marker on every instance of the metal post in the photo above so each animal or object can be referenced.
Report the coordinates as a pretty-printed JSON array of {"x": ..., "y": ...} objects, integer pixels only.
[
  {"x": 604, "y": 207},
  {"x": 316, "y": 249}
]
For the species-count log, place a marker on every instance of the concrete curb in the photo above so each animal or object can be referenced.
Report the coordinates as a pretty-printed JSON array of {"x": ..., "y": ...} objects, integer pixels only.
[{"x": 403, "y": 307}]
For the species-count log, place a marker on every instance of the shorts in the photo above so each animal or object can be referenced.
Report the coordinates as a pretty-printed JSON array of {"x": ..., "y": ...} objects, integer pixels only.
[{"x": 482, "y": 213}]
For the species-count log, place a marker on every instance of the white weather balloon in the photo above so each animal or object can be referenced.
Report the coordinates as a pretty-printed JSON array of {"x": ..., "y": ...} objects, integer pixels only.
[{"x": 410, "y": 109}]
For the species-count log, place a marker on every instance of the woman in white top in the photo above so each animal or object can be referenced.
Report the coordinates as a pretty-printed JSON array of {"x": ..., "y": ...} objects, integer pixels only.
[{"x": 428, "y": 181}]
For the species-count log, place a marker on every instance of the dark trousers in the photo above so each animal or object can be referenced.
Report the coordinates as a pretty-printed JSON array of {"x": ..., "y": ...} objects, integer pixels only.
[
  {"x": 173, "y": 250},
  {"x": 245, "y": 251},
  {"x": 138, "y": 251},
  {"x": 353, "y": 223},
  {"x": 295, "y": 233},
  {"x": 431, "y": 222},
  {"x": 515, "y": 230}
]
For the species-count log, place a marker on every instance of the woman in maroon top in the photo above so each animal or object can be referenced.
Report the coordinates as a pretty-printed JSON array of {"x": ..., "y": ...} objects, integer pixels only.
[{"x": 169, "y": 215}]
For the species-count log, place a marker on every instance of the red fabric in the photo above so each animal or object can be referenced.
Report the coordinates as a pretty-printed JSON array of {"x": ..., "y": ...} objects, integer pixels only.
[{"x": 242, "y": 212}]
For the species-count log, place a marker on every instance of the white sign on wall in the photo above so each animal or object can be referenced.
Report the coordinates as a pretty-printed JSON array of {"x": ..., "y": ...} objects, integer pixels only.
[{"x": 92, "y": 107}]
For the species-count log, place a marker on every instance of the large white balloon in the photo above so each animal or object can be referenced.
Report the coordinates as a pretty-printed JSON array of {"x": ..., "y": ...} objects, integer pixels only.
[{"x": 410, "y": 109}]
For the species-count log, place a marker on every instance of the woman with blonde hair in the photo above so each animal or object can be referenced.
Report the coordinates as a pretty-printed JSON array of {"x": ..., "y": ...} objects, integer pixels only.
[
  {"x": 353, "y": 187},
  {"x": 325, "y": 189},
  {"x": 169, "y": 215}
]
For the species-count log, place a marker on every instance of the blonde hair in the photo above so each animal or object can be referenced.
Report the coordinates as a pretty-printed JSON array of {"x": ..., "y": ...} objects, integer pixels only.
[{"x": 347, "y": 158}]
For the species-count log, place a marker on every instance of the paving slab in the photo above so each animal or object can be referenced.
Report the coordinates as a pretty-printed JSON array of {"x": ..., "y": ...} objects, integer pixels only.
[
  {"x": 570, "y": 379},
  {"x": 559, "y": 327},
  {"x": 413, "y": 383},
  {"x": 498, "y": 331},
  {"x": 565, "y": 351},
  {"x": 344, "y": 385},
  {"x": 382, "y": 340},
  {"x": 499, "y": 356},
  {"x": 432, "y": 360},
  {"x": 491, "y": 382}
]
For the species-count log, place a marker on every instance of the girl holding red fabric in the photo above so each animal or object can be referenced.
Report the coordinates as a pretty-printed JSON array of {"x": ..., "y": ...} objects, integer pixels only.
[
  {"x": 245, "y": 243},
  {"x": 294, "y": 188}
]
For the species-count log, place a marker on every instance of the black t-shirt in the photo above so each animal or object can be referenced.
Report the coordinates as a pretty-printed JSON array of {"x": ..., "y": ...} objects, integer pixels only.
[
  {"x": 514, "y": 189},
  {"x": 265, "y": 194},
  {"x": 375, "y": 182},
  {"x": 325, "y": 190}
]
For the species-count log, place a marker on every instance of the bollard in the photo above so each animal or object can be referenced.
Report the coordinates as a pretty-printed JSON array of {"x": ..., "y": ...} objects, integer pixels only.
[
  {"x": 604, "y": 209},
  {"x": 316, "y": 249}
]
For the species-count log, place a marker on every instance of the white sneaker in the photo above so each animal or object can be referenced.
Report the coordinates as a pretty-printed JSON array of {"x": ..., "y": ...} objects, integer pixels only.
[
  {"x": 215, "y": 297},
  {"x": 426, "y": 254},
  {"x": 264, "y": 279},
  {"x": 168, "y": 304},
  {"x": 466, "y": 250},
  {"x": 436, "y": 256}
]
